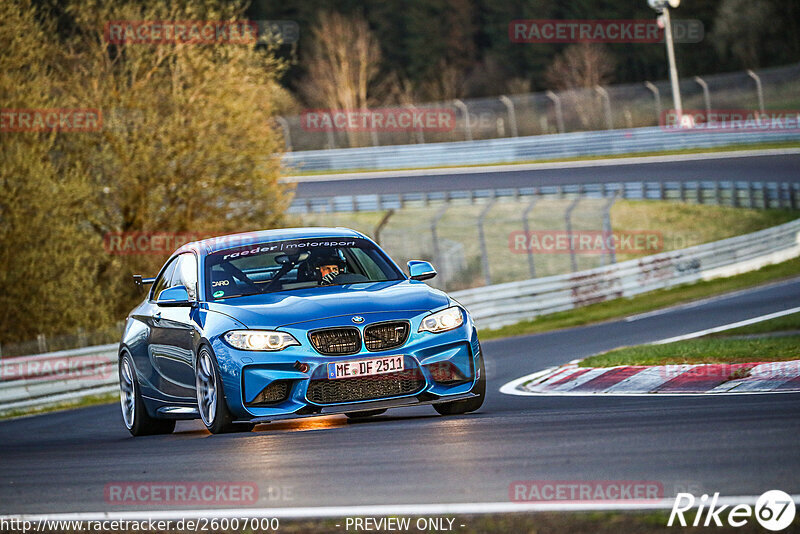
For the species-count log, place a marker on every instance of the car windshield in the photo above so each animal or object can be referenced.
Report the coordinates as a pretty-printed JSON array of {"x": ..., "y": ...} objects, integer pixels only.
[{"x": 296, "y": 264}]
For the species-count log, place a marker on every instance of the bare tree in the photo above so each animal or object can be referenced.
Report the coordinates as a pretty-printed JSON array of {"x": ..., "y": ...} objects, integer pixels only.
[
  {"x": 577, "y": 71},
  {"x": 581, "y": 65},
  {"x": 446, "y": 83},
  {"x": 343, "y": 63}
]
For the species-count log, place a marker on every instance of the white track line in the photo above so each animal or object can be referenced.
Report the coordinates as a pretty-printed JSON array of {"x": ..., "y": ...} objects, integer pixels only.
[
  {"x": 376, "y": 510},
  {"x": 634, "y": 160},
  {"x": 729, "y": 326},
  {"x": 708, "y": 300}
]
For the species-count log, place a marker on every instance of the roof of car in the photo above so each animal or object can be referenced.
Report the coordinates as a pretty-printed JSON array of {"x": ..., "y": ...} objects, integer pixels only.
[{"x": 215, "y": 244}]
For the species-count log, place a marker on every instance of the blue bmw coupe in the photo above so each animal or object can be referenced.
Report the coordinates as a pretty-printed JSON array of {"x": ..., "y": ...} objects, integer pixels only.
[{"x": 278, "y": 324}]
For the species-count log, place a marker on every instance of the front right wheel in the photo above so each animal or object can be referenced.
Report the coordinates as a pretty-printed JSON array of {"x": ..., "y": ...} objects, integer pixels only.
[
  {"x": 210, "y": 398},
  {"x": 466, "y": 405}
]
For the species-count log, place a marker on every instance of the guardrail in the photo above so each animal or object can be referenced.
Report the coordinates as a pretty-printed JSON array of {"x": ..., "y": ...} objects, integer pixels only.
[
  {"x": 519, "y": 149},
  {"x": 761, "y": 194},
  {"x": 502, "y": 304},
  {"x": 46, "y": 379}
]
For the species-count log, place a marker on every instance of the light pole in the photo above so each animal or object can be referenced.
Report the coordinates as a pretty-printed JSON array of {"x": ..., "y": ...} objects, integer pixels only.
[{"x": 662, "y": 6}]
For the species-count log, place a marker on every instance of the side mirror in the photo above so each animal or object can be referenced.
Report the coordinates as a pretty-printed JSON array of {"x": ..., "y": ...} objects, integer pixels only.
[
  {"x": 174, "y": 296},
  {"x": 420, "y": 270}
]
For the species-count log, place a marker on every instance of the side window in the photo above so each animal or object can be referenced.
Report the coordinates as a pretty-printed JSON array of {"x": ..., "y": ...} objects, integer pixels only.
[
  {"x": 163, "y": 281},
  {"x": 185, "y": 274}
]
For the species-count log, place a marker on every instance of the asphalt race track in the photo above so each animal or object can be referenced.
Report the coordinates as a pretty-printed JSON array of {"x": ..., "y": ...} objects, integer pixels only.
[
  {"x": 773, "y": 168},
  {"x": 737, "y": 445}
]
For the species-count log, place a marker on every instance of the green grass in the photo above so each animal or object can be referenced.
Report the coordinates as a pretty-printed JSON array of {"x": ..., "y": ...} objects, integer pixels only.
[
  {"x": 730, "y": 148},
  {"x": 787, "y": 323},
  {"x": 653, "y": 300},
  {"x": 701, "y": 350},
  {"x": 408, "y": 233},
  {"x": 91, "y": 400}
]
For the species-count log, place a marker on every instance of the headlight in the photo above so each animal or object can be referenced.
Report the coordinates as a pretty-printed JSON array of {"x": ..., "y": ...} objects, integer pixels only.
[
  {"x": 442, "y": 321},
  {"x": 260, "y": 340}
]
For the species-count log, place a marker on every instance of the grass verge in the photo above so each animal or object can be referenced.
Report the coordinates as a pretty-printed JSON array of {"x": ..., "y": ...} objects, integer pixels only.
[
  {"x": 407, "y": 235},
  {"x": 787, "y": 323},
  {"x": 91, "y": 400},
  {"x": 702, "y": 350},
  {"x": 615, "y": 309}
]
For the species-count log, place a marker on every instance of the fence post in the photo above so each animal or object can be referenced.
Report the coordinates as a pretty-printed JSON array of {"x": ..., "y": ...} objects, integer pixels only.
[
  {"x": 464, "y": 111},
  {"x": 482, "y": 238},
  {"x": 657, "y": 95},
  {"x": 559, "y": 112},
  {"x": 287, "y": 135},
  {"x": 512, "y": 116},
  {"x": 706, "y": 96},
  {"x": 331, "y": 137},
  {"x": 382, "y": 224},
  {"x": 759, "y": 89},
  {"x": 526, "y": 228},
  {"x": 606, "y": 106},
  {"x": 435, "y": 235},
  {"x": 42, "y": 341},
  {"x": 82, "y": 340},
  {"x": 568, "y": 220},
  {"x": 717, "y": 193},
  {"x": 418, "y": 131},
  {"x": 750, "y": 187},
  {"x": 607, "y": 230}
]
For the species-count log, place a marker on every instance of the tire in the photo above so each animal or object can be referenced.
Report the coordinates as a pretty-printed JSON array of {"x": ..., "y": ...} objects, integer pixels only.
[
  {"x": 364, "y": 415},
  {"x": 134, "y": 414},
  {"x": 211, "y": 402},
  {"x": 466, "y": 405}
]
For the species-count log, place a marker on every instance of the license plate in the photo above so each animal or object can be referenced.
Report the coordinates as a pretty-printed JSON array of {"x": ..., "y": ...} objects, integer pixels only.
[{"x": 368, "y": 367}]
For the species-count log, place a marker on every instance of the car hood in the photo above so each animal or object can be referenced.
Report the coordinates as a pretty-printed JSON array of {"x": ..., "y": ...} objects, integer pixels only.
[{"x": 273, "y": 310}]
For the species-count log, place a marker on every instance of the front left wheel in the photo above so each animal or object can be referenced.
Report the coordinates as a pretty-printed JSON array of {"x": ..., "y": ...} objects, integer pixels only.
[
  {"x": 466, "y": 405},
  {"x": 211, "y": 399},
  {"x": 134, "y": 414}
]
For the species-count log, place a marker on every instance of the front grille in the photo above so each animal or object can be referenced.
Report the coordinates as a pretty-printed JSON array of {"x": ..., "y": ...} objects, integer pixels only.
[
  {"x": 364, "y": 388},
  {"x": 385, "y": 336},
  {"x": 274, "y": 393},
  {"x": 336, "y": 341}
]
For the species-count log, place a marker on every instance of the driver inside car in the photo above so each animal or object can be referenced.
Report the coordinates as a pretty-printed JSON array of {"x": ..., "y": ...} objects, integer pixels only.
[{"x": 327, "y": 268}]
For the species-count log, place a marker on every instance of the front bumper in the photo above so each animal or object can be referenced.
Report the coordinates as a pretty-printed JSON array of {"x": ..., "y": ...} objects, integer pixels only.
[
  {"x": 246, "y": 374},
  {"x": 366, "y": 406}
]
